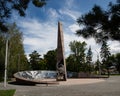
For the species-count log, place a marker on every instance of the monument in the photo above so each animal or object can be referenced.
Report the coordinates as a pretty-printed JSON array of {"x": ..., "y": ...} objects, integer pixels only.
[
  {"x": 61, "y": 65},
  {"x": 39, "y": 76}
]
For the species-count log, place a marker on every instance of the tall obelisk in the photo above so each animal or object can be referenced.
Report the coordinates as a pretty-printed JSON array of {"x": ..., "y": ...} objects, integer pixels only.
[{"x": 61, "y": 64}]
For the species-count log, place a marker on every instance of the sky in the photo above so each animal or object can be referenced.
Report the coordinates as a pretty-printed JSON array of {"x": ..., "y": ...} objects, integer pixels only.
[{"x": 40, "y": 26}]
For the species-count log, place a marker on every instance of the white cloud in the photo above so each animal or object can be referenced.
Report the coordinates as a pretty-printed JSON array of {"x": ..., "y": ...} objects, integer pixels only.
[
  {"x": 69, "y": 4},
  {"x": 114, "y": 46},
  {"x": 74, "y": 27},
  {"x": 52, "y": 13},
  {"x": 42, "y": 36},
  {"x": 71, "y": 13},
  {"x": 38, "y": 35},
  {"x": 69, "y": 9}
]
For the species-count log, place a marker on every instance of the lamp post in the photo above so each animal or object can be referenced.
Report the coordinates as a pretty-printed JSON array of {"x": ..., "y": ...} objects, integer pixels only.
[{"x": 6, "y": 61}]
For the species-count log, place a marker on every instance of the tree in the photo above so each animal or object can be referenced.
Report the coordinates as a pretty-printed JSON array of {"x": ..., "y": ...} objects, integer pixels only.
[
  {"x": 78, "y": 50},
  {"x": 115, "y": 61},
  {"x": 101, "y": 24},
  {"x": 2, "y": 55},
  {"x": 42, "y": 64},
  {"x": 98, "y": 66},
  {"x": 16, "y": 56},
  {"x": 71, "y": 64},
  {"x": 34, "y": 60},
  {"x": 8, "y": 6},
  {"x": 105, "y": 54},
  {"x": 117, "y": 57},
  {"x": 89, "y": 58},
  {"x": 50, "y": 58}
]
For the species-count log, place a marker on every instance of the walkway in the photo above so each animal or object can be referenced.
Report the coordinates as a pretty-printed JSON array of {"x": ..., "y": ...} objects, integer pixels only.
[{"x": 79, "y": 87}]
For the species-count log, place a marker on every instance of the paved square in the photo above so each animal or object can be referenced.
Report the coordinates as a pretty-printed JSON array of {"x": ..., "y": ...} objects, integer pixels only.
[{"x": 79, "y": 87}]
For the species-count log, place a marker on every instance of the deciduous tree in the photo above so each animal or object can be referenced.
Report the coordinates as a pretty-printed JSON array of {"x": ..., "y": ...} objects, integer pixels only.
[
  {"x": 50, "y": 58},
  {"x": 78, "y": 50},
  {"x": 16, "y": 56}
]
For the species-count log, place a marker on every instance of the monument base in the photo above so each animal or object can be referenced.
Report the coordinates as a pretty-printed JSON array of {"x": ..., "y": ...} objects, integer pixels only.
[{"x": 61, "y": 78}]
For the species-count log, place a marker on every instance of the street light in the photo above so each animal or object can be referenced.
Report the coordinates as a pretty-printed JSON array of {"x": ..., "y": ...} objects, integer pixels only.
[
  {"x": 6, "y": 61},
  {"x": 7, "y": 36}
]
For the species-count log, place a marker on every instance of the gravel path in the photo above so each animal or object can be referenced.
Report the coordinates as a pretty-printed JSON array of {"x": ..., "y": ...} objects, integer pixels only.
[{"x": 73, "y": 87}]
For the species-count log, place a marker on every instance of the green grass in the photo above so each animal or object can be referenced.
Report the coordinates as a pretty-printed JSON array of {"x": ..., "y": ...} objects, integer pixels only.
[{"x": 7, "y": 92}]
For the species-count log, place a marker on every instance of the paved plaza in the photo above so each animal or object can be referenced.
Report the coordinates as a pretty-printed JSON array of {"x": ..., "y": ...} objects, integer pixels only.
[{"x": 73, "y": 87}]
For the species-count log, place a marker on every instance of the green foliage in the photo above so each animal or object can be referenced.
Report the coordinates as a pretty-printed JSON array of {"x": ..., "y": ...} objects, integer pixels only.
[
  {"x": 117, "y": 58},
  {"x": 97, "y": 66},
  {"x": 34, "y": 60},
  {"x": 16, "y": 59},
  {"x": 71, "y": 64},
  {"x": 115, "y": 61},
  {"x": 101, "y": 24},
  {"x": 47, "y": 63},
  {"x": 50, "y": 58},
  {"x": 42, "y": 64},
  {"x": 2, "y": 53},
  {"x": 39, "y": 3},
  {"x": 2, "y": 57},
  {"x": 78, "y": 50},
  {"x": 105, "y": 54},
  {"x": 105, "y": 51},
  {"x": 89, "y": 58},
  {"x": 7, "y": 92},
  {"x": 8, "y": 6}
]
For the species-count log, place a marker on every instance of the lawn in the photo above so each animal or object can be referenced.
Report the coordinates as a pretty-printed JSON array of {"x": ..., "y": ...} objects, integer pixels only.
[{"x": 7, "y": 92}]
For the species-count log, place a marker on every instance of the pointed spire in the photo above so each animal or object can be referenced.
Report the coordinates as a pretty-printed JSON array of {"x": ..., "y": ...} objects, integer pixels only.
[{"x": 61, "y": 65}]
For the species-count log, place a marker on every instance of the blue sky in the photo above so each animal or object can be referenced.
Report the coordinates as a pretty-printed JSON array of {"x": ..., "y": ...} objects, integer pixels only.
[{"x": 39, "y": 27}]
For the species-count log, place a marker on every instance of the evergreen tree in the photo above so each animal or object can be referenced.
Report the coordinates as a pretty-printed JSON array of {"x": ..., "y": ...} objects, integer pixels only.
[
  {"x": 89, "y": 56},
  {"x": 89, "y": 59},
  {"x": 115, "y": 61},
  {"x": 98, "y": 66},
  {"x": 105, "y": 51},
  {"x": 34, "y": 60},
  {"x": 101, "y": 24},
  {"x": 117, "y": 58},
  {"x": 105, "y": 54}
]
